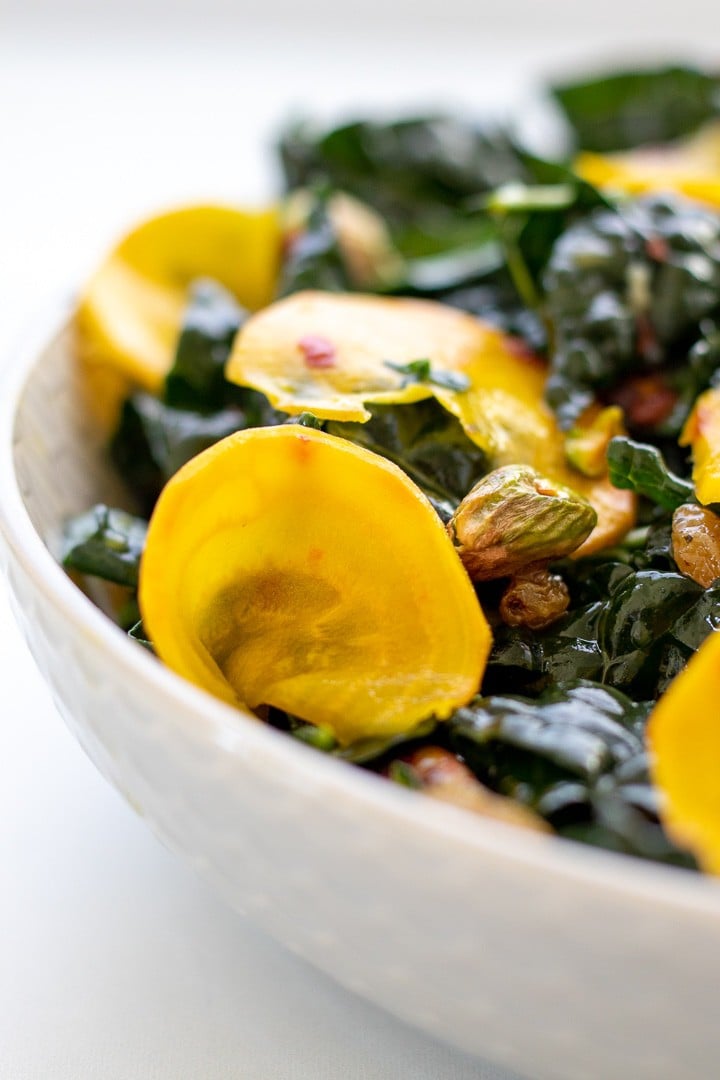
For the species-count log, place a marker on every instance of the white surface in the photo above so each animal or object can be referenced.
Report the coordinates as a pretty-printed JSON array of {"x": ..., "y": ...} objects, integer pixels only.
[
  {"x": 115, "y": 962},
  {"x": 118, "y": 964}
]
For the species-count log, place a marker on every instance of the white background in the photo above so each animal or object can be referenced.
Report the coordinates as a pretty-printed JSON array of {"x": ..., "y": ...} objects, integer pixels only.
[{"x": 115, "y": 962}]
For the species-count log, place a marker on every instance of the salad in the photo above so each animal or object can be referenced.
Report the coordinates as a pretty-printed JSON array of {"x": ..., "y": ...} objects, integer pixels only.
[{"x": 424, "y": 457}]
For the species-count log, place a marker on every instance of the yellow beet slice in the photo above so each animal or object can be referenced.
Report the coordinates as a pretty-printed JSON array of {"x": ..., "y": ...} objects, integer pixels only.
[
  {"x": 684, "y": 739},
  {"x": 689, "y": 167},
  {"x": 328, "y": 353},
  {"x": 288, "y": 567},
  {"x": 702, "y": 433},
  {"x": 130, "y": 313}
]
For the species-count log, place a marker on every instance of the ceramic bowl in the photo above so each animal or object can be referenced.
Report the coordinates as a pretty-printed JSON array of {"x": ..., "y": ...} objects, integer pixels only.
[{"x": 539, "y": 954}]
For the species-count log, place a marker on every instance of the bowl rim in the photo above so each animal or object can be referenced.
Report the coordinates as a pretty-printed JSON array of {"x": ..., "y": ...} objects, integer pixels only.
[{"x": 237, "y": 733}]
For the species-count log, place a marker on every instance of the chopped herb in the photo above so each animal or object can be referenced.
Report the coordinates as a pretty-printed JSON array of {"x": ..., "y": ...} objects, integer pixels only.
[
  {"x": 138, "y": 633},
  {"x": 422, "y": 371},
  {"x": 306, "y": 419},
  {"x": 319, "y": 737}
]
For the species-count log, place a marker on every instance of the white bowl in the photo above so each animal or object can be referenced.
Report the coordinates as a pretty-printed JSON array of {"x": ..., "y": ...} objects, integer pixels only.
[{"x": 548, "y": 957}]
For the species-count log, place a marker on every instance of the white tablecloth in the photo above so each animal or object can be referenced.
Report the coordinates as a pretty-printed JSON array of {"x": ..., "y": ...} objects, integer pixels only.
[{"x": 116, "y": 963}]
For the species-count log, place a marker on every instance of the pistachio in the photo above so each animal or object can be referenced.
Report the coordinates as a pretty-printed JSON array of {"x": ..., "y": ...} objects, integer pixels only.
[
  {"x": 513, "y": 517},
  {"x": 586, "y": 445},
  {"x": 696, "y": 543},
  {"x": 534, "y": 598}
]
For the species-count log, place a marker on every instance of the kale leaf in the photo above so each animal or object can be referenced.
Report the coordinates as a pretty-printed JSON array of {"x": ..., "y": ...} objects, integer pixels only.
[
  {"x": 196, "y": 380},
  {"x": 153, "y": 441},
  {"x": 630, "y": 108},
  {"x": 105, "y": 543},
  {"x": 413, "y": 170},
  {"x": 640, "y": 467},
  {"x": 426, "y": 441},
  {"x": 576, "y": 755},
  {"x": 155, "y": 436},
  {"x": 314, "y": 259},
  {"x": 627, "y": 290},
  {"x": 632, "y": 627}
]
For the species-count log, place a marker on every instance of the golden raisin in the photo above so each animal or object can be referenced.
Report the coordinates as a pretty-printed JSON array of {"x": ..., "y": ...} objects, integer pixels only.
[
  {"x": 534, "y": 598},
  {"x": 696, "y": 543}
]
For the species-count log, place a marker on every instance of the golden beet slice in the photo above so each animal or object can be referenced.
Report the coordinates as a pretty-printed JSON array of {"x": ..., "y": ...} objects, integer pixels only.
[
  {"x": 702, "y": 434},
  {"x": 689, "y": 167},
  {"x": 288, "y": 567},
  {"x": 130, "y": 312},
  {"x": 684, "y": 738},
  {"x": 334, "y": 353}
]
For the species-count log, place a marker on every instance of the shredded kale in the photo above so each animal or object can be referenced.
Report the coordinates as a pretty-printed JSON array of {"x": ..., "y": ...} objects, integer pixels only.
[
  {"x": 416, "y": 172},
  {"x": 314, "y": 259},
  {"x": 632, "y": 629},
  {"x": 424, "y": 440},
  {"x": 640, "y": 467},
  {"x": 153, "y": 441},
  {"x": 627, "y": 290},
  {"x": 196, "y": 381},
  {"x": 576, "y": 756},
  {"x": 156, "y": 436},
  {"x": 105, "y": 543},
  {"x": 631, "y": 108}
]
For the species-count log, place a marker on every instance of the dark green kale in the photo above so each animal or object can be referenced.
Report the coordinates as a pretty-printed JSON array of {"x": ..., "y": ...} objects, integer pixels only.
[
  {"x": 576, "y": 756},
  {"x": 426, "y": 441},
  {"x": 634, "y": 622},
  {"x": 414, "y": 171},
  {"x": 154, "y": 440},
  {"x": 495, "y": 274},
  {"x": 497, "y": 302},
  {"x": 635, "y": 637},
  {"x": 631, "y": 108},
  {"x": 196, "y": 381},
  {"x": 157, "y": 435},
  {"x": 638, "y": 631},
  {"x": 374, "y": 752},
  {"x": 306, "y": 419},
  {"x": 531, "y": 217},
  {"x": 478, "y": 259},
  {"x": 688, "y": 380},
  {"x": 640, "y": 467},
  {"x": 314, "y": 259},
  {"x": 371, "y": 752},
  {"x": 627, "y": 291},
  {"x": 105, "y": 543}
]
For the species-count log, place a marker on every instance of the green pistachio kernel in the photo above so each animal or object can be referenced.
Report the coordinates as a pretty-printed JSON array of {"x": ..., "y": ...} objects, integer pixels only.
[{"x": 515, "y": 516}]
